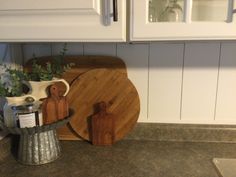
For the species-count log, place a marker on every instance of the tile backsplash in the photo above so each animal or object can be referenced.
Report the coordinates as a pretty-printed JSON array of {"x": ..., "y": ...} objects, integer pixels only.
[{"x": 178, "y": 82}]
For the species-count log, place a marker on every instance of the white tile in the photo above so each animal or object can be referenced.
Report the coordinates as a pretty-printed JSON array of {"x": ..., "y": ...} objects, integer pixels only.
[
  {"x": 11, "y": 54},
  {"x": 165, "y": 80},
  {"x": 106, "y": 49},
  {"x": 72, "y": 48},
  {"x": 136, "y": 59},
  {"x": 30, "y": 49},
  {"x": 5, "y": 53},
  {"x": 16, "y": 54},
  {"x": 226, "y": 97},
  {"x": 200, "y": 82}
]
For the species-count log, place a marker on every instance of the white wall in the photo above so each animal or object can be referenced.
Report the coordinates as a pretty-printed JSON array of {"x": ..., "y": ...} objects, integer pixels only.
[{"x": 178, "y": 82}]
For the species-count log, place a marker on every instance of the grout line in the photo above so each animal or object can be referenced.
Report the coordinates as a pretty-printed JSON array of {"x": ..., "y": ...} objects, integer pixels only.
[
  {"x": 12, "y": 58},
  {"x": 182, "y": 84},
  {"x": 83, "y": 48},
  {"x": 116, "y": 49},
  {"x": 51, "y": 48},
  {"x": 148, "y": 81},
  {"x": 217, "y": 82},
  {"x": 22, "y": 55},
  {"x": 5, "y": 52}
]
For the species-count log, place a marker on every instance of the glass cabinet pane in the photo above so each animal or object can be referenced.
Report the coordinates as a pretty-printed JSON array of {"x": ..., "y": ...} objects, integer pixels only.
[
  {"x": 209, "y": 10},
  {"x": 166, "y": 10}
]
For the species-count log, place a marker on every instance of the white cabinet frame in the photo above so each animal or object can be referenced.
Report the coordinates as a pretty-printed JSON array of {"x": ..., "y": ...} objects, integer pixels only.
[
  {"x": 62, "y": 21},
  {"x": 142, "y": 29}
]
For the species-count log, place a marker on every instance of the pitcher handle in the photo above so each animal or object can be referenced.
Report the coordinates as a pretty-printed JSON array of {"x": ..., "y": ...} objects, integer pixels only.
[
  {"x": 20, "y": 99},
  {"x": 27, "y": 84},
  {"x": 66, "y": 84}
]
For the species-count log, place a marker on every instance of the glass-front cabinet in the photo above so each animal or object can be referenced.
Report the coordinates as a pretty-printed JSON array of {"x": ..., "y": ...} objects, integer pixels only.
[
  {"x": 63, "y": 20},
  {"x": 182, "y": 19}
]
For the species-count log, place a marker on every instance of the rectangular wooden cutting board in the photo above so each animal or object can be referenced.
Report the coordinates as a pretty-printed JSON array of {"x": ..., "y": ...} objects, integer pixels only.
[{"x": 82, "y": 64}]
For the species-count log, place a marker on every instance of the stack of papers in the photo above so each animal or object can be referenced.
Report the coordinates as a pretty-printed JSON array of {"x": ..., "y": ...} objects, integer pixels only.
[{"x": 225, "y": 167}]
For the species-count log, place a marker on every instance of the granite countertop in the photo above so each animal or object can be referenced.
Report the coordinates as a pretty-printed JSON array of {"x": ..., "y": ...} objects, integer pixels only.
[{"x": 127, "y": 158}]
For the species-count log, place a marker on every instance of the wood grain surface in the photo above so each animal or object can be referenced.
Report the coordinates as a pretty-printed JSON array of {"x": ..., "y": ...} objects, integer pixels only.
[
  {"x": 110, "y": 86},
  {"x": 82, "y": 65},
  {"x": 50, "y": 106}
]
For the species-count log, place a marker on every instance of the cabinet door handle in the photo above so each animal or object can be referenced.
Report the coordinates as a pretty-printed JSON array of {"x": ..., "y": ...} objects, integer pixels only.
[
  {"x": 231, "y": 11},
  {"x": 107, "y": 14},
  {"x": 115, "y": 11}
]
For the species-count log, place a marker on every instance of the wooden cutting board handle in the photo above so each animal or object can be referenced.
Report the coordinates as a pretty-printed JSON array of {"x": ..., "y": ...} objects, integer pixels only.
[
  {"x": 55, "y": 107},
  {"x": 103, "y": 126},
  {"x": 49, "y": 106}
]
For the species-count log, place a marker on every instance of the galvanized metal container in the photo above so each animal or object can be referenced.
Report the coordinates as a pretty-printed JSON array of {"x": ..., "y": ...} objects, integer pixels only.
[
  {"x": 39, "y": 148},
  {"x": 39, "y": 144}
]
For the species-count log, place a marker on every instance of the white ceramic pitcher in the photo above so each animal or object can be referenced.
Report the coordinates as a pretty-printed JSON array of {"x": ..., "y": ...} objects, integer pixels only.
[{"x": 39, "y": 88}]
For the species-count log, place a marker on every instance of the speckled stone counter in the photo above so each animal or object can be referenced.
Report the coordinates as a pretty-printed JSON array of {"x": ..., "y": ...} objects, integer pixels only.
[
  {"x": 128, "y": 158},
  {"x": 183, "y": 132},
  {"x": 5, "y": 148}
]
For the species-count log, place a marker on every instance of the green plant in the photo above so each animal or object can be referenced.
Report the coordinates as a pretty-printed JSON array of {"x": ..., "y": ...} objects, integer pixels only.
[
  {"x": 53, "y": 69},
  {"x": 40, "y": 73},
  {"x": 11, "y": 81}
]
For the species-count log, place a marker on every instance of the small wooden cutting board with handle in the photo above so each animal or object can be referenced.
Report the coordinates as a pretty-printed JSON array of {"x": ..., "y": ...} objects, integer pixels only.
[{"x": 102, "y": 126}]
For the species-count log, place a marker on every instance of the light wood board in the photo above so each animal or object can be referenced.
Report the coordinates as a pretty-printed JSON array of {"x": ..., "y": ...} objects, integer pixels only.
[{"x": 104, "y": 85}]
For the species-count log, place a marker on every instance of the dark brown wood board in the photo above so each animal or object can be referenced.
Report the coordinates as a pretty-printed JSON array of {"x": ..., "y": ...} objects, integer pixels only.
[
  {"x": 102, "y": 131},
  {"x": 110, "y": 86},
  {"x": 82, "y": 65}
]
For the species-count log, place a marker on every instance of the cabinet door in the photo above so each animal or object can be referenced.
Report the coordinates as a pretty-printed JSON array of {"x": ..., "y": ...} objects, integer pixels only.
[
  {"x": 62, "y": 20},
  {"x": 182, "y": 19}
]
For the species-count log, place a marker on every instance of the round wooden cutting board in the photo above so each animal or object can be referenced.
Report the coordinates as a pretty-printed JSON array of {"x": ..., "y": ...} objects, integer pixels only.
[{"x": 106, "y": 85}]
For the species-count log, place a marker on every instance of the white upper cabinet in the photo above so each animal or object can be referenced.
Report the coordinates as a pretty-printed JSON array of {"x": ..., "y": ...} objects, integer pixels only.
[
  {"x": 62, "y": 20},
  {"x": 182, "y": 19}
]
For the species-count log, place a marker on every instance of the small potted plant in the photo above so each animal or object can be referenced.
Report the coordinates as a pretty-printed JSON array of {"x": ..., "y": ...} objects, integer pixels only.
[
  {"x": 51, "y": 70},
  {"x": 13, "y": 81},
  {"x": 41, "y": 76}
]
